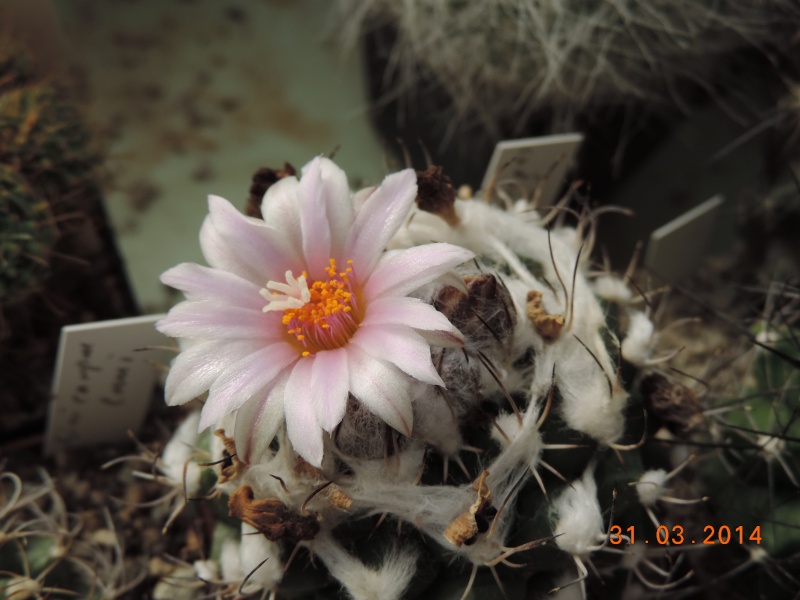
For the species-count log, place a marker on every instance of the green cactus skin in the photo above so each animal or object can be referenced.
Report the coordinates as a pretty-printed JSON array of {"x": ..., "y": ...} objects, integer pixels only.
[
  {"x": 58, "y": 260},
  {"x": 26, "y": 236}
]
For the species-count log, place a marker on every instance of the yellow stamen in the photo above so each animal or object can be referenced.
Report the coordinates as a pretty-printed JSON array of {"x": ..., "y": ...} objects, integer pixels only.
[{"x": 327, "y": 321}]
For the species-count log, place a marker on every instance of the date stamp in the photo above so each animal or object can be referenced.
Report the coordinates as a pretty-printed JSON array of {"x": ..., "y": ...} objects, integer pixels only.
[{"x": 676, "y": 536}]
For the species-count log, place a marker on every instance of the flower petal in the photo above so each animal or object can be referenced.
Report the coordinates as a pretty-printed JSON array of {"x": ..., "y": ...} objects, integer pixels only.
[
  {"x": 330, "y": 386},
  {"x": 263, "y": 251},
  {"x": 404, "y": 271},
  {"x": 312, "y": 197},
  {"x": 244, "y": 378},
  {"x": 304, "y": 431},
  {"x": 258, "y": 420},
  {"x": 382, "y": 388},
  {"x": 361, "y": 196},
  {"x": 214, "y": 320},
  {"x": 202, "y": 283},
  {"x": 455, "y": 280},
  {"x": 443, "y": 339},
  {"x": 281, "y": 210},
  {"x": 401, "y": 346},
  {"x": 413, "y": 312},
  {"x": 195, "y": 369},
  {"x": 381, "y": 215},
  {"x": 219, "y": 254},
  {"x": 339, "y": 206}
]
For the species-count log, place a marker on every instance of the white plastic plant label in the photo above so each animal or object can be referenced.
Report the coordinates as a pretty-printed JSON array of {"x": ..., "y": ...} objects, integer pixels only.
[
  {"x": 534, "y": 161},
  {"x": 675, "y": 248},
  {"x": 103, "y": 381}
]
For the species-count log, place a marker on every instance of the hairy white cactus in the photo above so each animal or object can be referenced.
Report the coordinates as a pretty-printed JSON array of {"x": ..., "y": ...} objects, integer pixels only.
[{"x": 529, "y": 403}]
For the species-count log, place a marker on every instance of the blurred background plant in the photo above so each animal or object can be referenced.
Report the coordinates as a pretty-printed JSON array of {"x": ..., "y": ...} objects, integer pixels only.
[
  {"x": 58, "y": 259},
  {"x": 625, "y": 72}
]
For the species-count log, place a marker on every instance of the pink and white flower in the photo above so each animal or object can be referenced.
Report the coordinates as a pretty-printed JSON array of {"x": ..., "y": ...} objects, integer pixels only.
[{"x": 299, "y": 310}]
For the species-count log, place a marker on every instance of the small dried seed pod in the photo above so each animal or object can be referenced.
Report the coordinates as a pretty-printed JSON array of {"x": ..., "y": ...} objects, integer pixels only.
[
  {"x": 338, "y": 498},
  {"x": 263, "y": 179},
  {"x": 271, "y": 517},
  {"x": 485, "y": 315},
  {"x": 436, "y": 194},
  {"x": 672, "y": 402},
  {"x": 546, "y": 325},
  {"x": 231, "y": 467},
  {"x": 465, "y": 528}
]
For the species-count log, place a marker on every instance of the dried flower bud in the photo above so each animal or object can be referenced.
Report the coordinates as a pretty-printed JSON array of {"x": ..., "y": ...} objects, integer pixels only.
[
  {"x": 436, "y": 194},
  {"x": 263, "y": 179},
  {"x": 271, "y": 517},
  {"x": 546, "y": 325}
]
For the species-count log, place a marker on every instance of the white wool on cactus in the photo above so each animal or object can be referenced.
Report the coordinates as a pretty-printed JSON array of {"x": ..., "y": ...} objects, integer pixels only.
[
  {"x": 516, "y": 243},
  {"x": 577, "y": 519},
  {"x": 578, "y": 522},
  {"x": 388, "y": 581},
  {"x": 426, "y": 336},
  {"x": 637, "y": 346},
  {"x": 177, "y": 455},
  {"x": 612, "y": 288},
  {"x": 260, "y": 559},
  {"x": 230, "y": 561},
  {"x": 650, "y": 486}
]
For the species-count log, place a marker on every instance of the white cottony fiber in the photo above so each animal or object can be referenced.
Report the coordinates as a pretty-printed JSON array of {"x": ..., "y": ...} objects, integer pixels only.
[
  {"x": 638, "y": 343},
  {"x": 577, "y": 516},
  {"x": 613, "y": 289},
  {"x": 650, "y": 486},
  {"x": 497, "y": 235},
  {"x": 206, "y": 569},
  {"x": 178, "y": 453},
  {"x": 525, "y": 445},
  {"x": 386, "y": 582},
  {"x": 254, "y": 550},
  {"x": 436, "y": 423},
  {"x": 230, "y": 562}
]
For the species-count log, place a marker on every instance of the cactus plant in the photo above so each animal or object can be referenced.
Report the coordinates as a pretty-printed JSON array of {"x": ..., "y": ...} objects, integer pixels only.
[
  {"x": 531, "y": 469},
  {"x": 27, "y": 236},
  {"x": 566, "y": 60},
  {"x": 58, "y": 263}
]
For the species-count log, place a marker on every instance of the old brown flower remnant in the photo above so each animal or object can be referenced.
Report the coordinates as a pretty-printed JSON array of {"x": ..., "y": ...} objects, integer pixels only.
[
  {"x": 271, "y": 517},
  {"x": 466, "y": 527},
  {"x": 546, "y": 325},
  {"x": 436, "y": 194}
]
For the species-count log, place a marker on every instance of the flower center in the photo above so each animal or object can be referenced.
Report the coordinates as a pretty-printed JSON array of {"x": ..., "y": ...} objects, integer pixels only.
[{"x": 321, "y": 316}]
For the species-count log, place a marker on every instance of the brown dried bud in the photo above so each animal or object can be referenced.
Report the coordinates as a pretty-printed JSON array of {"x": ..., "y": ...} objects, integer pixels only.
[
  {"x": 436, "y": 194},
  {"x": 231, "y": 467},
  {"x": 271, "y": 517},
  {"x": 546, "y": 325},
  {"x": 465, "y": 528},
  {"x": 263, "y": 179},
  {"x": 305, "y": 469},
  {"x": 672, "y": 402},
  {"x": 476, "y": 313},
  {"x": 338, "y": 498}
]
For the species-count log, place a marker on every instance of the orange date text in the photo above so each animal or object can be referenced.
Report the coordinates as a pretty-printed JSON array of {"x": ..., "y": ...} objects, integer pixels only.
[{"x": 676, "y": 536}]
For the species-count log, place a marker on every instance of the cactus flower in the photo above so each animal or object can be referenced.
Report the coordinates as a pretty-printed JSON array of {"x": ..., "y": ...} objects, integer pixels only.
[{"x": 303, "y": 309}]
